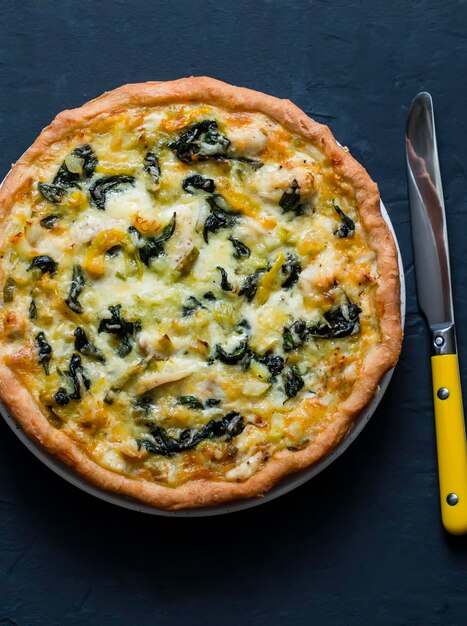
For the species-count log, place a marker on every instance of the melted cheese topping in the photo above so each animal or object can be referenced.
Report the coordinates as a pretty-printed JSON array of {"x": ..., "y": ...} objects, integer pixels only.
[{"x": 212, "y": 316}]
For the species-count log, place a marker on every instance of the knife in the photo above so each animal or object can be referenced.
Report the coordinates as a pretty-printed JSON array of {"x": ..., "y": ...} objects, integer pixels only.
[{"x": 433, "y": 277}]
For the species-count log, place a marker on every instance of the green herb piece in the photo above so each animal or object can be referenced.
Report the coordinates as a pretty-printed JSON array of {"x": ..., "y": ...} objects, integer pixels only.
[
  {"x": 32, "y": 310},
  {"x": 191, "y": 305},
  {"x": 191, "y": 402},
  {"x": 76, "y": 287},
  {"x": 273, "y": 362},
  {"x": 209, "y": 296},
  {"x": 250, "y": 284},
  {"x": 341, "y": 321},
  {"x": 225, "y": 285},
  {"x": 153, "y": 168},
  {"x": 113, "y": 251},
  {"x": 219, "y": 217},
  {"x": 121, "y": 328},
  {"x": 87, "y": 161},
  {"x": 210, "y": 402},
  {"x": 152, "y": 247},
  {"x": 295, "y": 335},
  {"x": 290, "y": 200},
  {"x": 293, "y": 382},
  {"x": 338, "y": 322},
  {"x": 241, "y": 251},
  {"x": 243, "y": 327},
  {"x": 199, "y": 142},
  {"x": 44, "y": 351},
  {"x": 45, "y": 264},
  {"x": 85, "y": 346},
  {"x": 49, "y": 221},
  {"x": 52, "y": 193},
  {"x": 61, "y": 397},
  {"x": 347, "y": 228},
  {"x": 197, "y": 182},
  {"x": 291, "y": 269},
  {"x": 227, "y": 427},
  {"x": 254, "y": 163},
  {"x": 106, "y": 185},
  {"x": 235, "y": 356},
  {"x": 144, "y": 405},
  {"x": 81, "y": 382}
]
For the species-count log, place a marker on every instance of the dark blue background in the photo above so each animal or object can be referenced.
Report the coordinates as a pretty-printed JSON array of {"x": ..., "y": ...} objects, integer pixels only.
[{"x": 360, "y": 544}]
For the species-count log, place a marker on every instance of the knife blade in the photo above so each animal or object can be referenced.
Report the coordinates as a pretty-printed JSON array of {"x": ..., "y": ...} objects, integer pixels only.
[{"x": 434, "y": 291}]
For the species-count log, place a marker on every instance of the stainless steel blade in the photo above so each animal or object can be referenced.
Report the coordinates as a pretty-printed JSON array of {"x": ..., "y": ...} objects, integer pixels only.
[{"x": 428, "y": 218}]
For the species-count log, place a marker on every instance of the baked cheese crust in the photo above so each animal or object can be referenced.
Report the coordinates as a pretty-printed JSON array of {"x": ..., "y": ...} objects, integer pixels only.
[{"x": 199, "y": 291}]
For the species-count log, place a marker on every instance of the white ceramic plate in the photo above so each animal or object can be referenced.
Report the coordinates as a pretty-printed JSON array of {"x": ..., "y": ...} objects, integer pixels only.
[{"x": 286, "y": 485}]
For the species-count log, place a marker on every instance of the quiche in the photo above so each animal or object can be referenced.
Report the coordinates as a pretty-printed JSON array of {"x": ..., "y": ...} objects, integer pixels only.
[{"x": 199, "y": 291}]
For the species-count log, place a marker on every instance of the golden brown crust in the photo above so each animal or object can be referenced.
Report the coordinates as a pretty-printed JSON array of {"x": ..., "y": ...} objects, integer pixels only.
[{"x": 199, "y": 493}]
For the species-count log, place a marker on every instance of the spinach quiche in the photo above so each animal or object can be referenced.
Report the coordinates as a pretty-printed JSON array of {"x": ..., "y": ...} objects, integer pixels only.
[{"x": 199, "y": 291}]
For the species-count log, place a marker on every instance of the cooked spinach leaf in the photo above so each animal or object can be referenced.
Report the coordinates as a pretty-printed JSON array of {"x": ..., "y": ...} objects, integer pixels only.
[
  {"x": 49, "y": 221},
  {"x": 225, "y": 285},
  {"x": 76, "y": 287},
  {"x": 202, "y": 141},
  {"x": 347, "y": 228},
  {"x": 106, "y": 185},
  {"x": 293, "y": 382},
  {"x": 113, "y": 251},
  {"x": 209, "y": 296},
  {"x": 287, "y": 339},
  {"x": 44, "y": 263},
  {"x": 225, "y": 427},
  {"x": 78, "y": 376},
  {"x": 254, "y": 163},
  {"x": 338, "y": 322},
  {"x": 143, "y": 406},
  {"x": 192, "y": 402},
  {"x": 199, "y": 142},
  {"x": 52, "y": 193},
  {"x": 9, "y": 290},
  {"x": 243, "y": 326},
  {"x": 121, "y": 328},
  {"x": 150, "y": 247},
  {"x": 61, "y": 397},
  {"x": 86, "y": 160},
  {"x": 86, "y": 347},
  {"x": 235, "y": 356},
  {"x": 341, "y": 321},
  {"x": 242, "y": 354},
  {"x": 196, "y": 181},
  {"x": 240, "y": 249},
  {"x": 273, "y": 362},
  {"x": 250, "y": 284},
  {"x": 291, "y": 269},
  {"x": 153, "y": 168},
  {"x": 32, "y": 310},
  {"x": 219, "y": 217},
  {"x": 191, "y": 305},
  {"x": 44, "y": 351},
  {"x": 295, "y": 335},
  {"x": 290, "y": 200},
  {"x": 212, "y": 402},
  {"x": 89, "y": 160}
]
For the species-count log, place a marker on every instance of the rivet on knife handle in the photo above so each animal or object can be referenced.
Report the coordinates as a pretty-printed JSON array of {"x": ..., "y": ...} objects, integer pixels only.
[{"x": 450, "y": 441}]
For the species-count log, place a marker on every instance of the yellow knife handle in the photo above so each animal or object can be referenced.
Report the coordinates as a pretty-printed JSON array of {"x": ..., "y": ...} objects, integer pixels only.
[{"x": 451, "y": 442}]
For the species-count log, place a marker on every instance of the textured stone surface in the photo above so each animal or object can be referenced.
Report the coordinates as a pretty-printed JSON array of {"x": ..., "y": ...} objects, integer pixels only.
[{"x": 360, "y": 544}]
